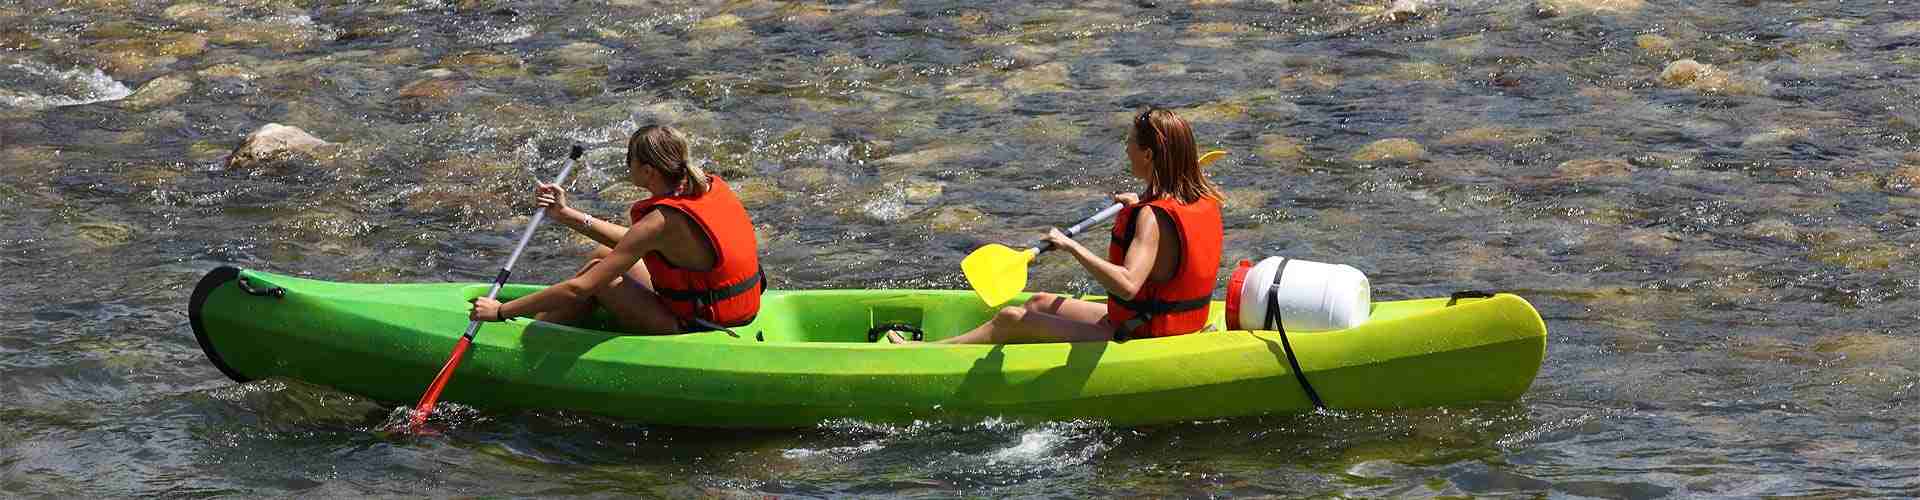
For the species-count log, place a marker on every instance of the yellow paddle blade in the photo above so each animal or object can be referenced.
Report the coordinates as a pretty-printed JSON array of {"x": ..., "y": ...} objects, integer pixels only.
[
  {"x": 997, "y": 272},
  {"x": 1211, "y": 156}
]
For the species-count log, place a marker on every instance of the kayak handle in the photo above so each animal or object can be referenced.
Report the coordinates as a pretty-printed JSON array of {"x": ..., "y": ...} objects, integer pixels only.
[{"x": 270, "y": 291}]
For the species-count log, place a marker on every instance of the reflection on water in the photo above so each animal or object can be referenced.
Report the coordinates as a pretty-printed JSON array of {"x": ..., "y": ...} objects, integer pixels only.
[{"x": 1713, "y": 204}]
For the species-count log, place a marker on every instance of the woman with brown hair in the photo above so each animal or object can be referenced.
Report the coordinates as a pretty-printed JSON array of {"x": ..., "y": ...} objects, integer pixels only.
[
  {"x": 688, "y": 263},
  {"x": 1161, "y": 266}
]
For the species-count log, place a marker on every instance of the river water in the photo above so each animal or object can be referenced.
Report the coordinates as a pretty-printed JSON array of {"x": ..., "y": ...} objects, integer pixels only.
[{"x": 1714, "y": 204}]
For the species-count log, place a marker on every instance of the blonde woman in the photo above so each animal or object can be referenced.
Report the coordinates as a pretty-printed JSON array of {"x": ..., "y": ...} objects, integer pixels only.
[{"x": 689, "y": 262}]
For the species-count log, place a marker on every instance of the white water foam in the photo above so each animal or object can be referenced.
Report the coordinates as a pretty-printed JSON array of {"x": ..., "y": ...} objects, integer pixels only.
[{"x": 85, "y": 86}]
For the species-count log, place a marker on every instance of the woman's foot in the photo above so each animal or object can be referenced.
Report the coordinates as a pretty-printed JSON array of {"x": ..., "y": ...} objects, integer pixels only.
[{"x": 895, "y": 337}]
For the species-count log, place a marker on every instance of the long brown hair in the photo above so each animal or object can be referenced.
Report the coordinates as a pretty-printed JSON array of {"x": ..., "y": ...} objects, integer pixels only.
[
  {"x": 1176, "y": 161},
  {"x": 662, "y": 147}
]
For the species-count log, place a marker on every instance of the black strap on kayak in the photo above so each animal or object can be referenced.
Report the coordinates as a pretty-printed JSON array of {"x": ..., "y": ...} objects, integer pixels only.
[
  {"x": 874, "y": 334},
  {"x": 1467, "y": 294},
  {"x": 1274, "y": 321}
]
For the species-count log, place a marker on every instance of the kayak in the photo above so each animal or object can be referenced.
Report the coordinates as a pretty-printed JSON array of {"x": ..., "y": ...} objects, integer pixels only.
[{"x": 808, "y": 357}]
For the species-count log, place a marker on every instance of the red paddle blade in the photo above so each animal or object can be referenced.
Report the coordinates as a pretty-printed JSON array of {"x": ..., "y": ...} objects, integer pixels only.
[{"x": 425, "y": 408}]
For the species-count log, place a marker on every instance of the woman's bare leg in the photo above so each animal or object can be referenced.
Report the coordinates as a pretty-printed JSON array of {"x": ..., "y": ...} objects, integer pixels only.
[
  {"x": 636, "y": 307},
  {"x": 572, "y": 314},
  {"x": 1043, "y": 318}
]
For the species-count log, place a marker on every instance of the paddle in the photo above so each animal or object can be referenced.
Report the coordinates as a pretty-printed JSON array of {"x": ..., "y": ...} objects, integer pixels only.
[
  {"x": 997, "y": 273},
  {"x": 425, "y": 408}
]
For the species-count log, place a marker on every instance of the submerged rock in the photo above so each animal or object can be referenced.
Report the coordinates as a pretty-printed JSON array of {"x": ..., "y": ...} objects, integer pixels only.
[
  {"x": 432, "y": 88},
  {"x": 157, "y": 92},
  {"x": 1654, "y": 44},
  {"x": 103, "y": 234},
  {"x": 1281, "y": 147},
  {"x": 1903, "y": 181},
  {"x": 271, "y": 143},
  {"x": 1491, "y": 136},
  {"x": 1775, "y": 137},
  {"x": 957, "y": 219},
  {"x": 1390, "y": 150},
  {"x": 1043, "y": 78},
  {"x": 485, "y": 64},
  {"x": 1593, "y": 169},
  {"x": 1556, "y": 8}
]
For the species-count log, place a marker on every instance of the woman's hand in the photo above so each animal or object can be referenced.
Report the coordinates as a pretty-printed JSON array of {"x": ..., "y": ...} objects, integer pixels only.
[
  {"x": 552, "y": 198},
  {"x": 1129, "y": 199},
  {"x": 1059, "y": 239},
  {"x": 485, "y": 309}
]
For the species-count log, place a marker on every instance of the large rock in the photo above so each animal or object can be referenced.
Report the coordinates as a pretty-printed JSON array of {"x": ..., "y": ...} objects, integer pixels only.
[
  {"x": 1688, "y": 73},
  {"x": 271, "y": 143}
]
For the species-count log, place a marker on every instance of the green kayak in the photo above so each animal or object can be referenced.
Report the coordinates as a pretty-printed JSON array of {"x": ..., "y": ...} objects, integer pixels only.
[{"x": 808, "y": 358}]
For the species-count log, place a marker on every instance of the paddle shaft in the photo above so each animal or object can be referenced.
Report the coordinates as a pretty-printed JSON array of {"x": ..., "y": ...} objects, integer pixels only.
[
  {"x": 425, "y": 408},
  {"x": 1042, "y": 245}
]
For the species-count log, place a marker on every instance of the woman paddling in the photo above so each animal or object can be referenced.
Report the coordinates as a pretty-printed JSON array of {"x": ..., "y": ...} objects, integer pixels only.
[
  {"x": 1160, "y": 268},
  {"x": 689, "y": 262}
]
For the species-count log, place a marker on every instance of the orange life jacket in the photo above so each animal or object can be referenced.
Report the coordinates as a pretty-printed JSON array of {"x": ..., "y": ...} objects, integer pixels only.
[
  {"x": 1178, "y": 305},
  {"x": 729, "y": 294}
]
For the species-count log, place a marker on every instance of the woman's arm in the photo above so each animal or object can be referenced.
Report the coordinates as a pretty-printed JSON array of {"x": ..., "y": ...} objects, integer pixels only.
[
  {"x": 1125, "y": 279},
  {"x": 635, "y": 242},
  {"x": 554, "y": 199}
]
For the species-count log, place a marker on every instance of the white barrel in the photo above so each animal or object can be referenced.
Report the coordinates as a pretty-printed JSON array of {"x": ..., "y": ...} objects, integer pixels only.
[{"x": 1313, "y": 296}]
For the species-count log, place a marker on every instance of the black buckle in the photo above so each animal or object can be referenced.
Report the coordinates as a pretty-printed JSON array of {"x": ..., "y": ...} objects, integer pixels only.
[{"x": 1467, "y": 294}]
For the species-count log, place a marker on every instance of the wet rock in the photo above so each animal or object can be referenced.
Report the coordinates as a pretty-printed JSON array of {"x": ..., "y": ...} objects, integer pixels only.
[
  {"x": 1051, "y": 129},
  {"x": 484, "y": 64},
  {"x": 1776, "y": 229},
  {"x": 228, "y": 70},
  {"x": 1775, "y": 137},
  {"x": 1593, "y": 169},
  {"x": 273, "y": 142},
  {"x": 400, "y": 56},
  {"x": 1403, "y": 10},
  {"x": 1688, "y": 73},
  {"x": 1024, "y": 56},
  {"x": 1664, "y": 160},
  {"x": 1214, "y": 112},
  {"x": 1282, "y": 148},
  {"x": 584, "y": 54},
  {"x": 1903, "y": 181},
  {"x": 432, "y": 88},
  {"x": 198, "y": 13},
  {"x": 101, "y": 234},
  {"x": 1853, "y": 248},
  {"x": 1043, "y": 78},
  {"x": 131, "y": 57},
  {"x": 1684, "y": 72},
  {"x": 1655, "y": 45},
  {"x": 1418, "y": 71},
  {"x": 1245, "y": 201},
  {"x": 582, "y": 82},
  {"x": 1869, "y": 349},
  {"x": 1491, "y": 136},
  {"x": 923, "y": 191},
  {"x": 755, "y": 193},
  {"x": 158, "y": 91},
  {"x": 957, "y": 219},
  {"x": 1390, "y": 150},
  {"x": 206, "y": 151},
  {"x": 1653, "y": 241},
  {"x": 1900, "y": 29},
  {"x": 810, "y": 179},
  {"x": 18, "y": 40},
  {"x": 1556, "y": 8}
]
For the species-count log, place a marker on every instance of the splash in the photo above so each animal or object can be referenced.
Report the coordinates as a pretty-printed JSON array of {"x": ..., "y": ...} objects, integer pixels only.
[{"x": 50, "y": 87}]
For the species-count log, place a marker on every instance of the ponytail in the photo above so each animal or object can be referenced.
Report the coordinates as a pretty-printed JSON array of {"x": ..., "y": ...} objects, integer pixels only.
[{"x": 662, "y": 147}]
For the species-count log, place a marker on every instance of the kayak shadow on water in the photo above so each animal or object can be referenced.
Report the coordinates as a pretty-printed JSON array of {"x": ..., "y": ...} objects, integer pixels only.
[{"x": 989, "y": 381}]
